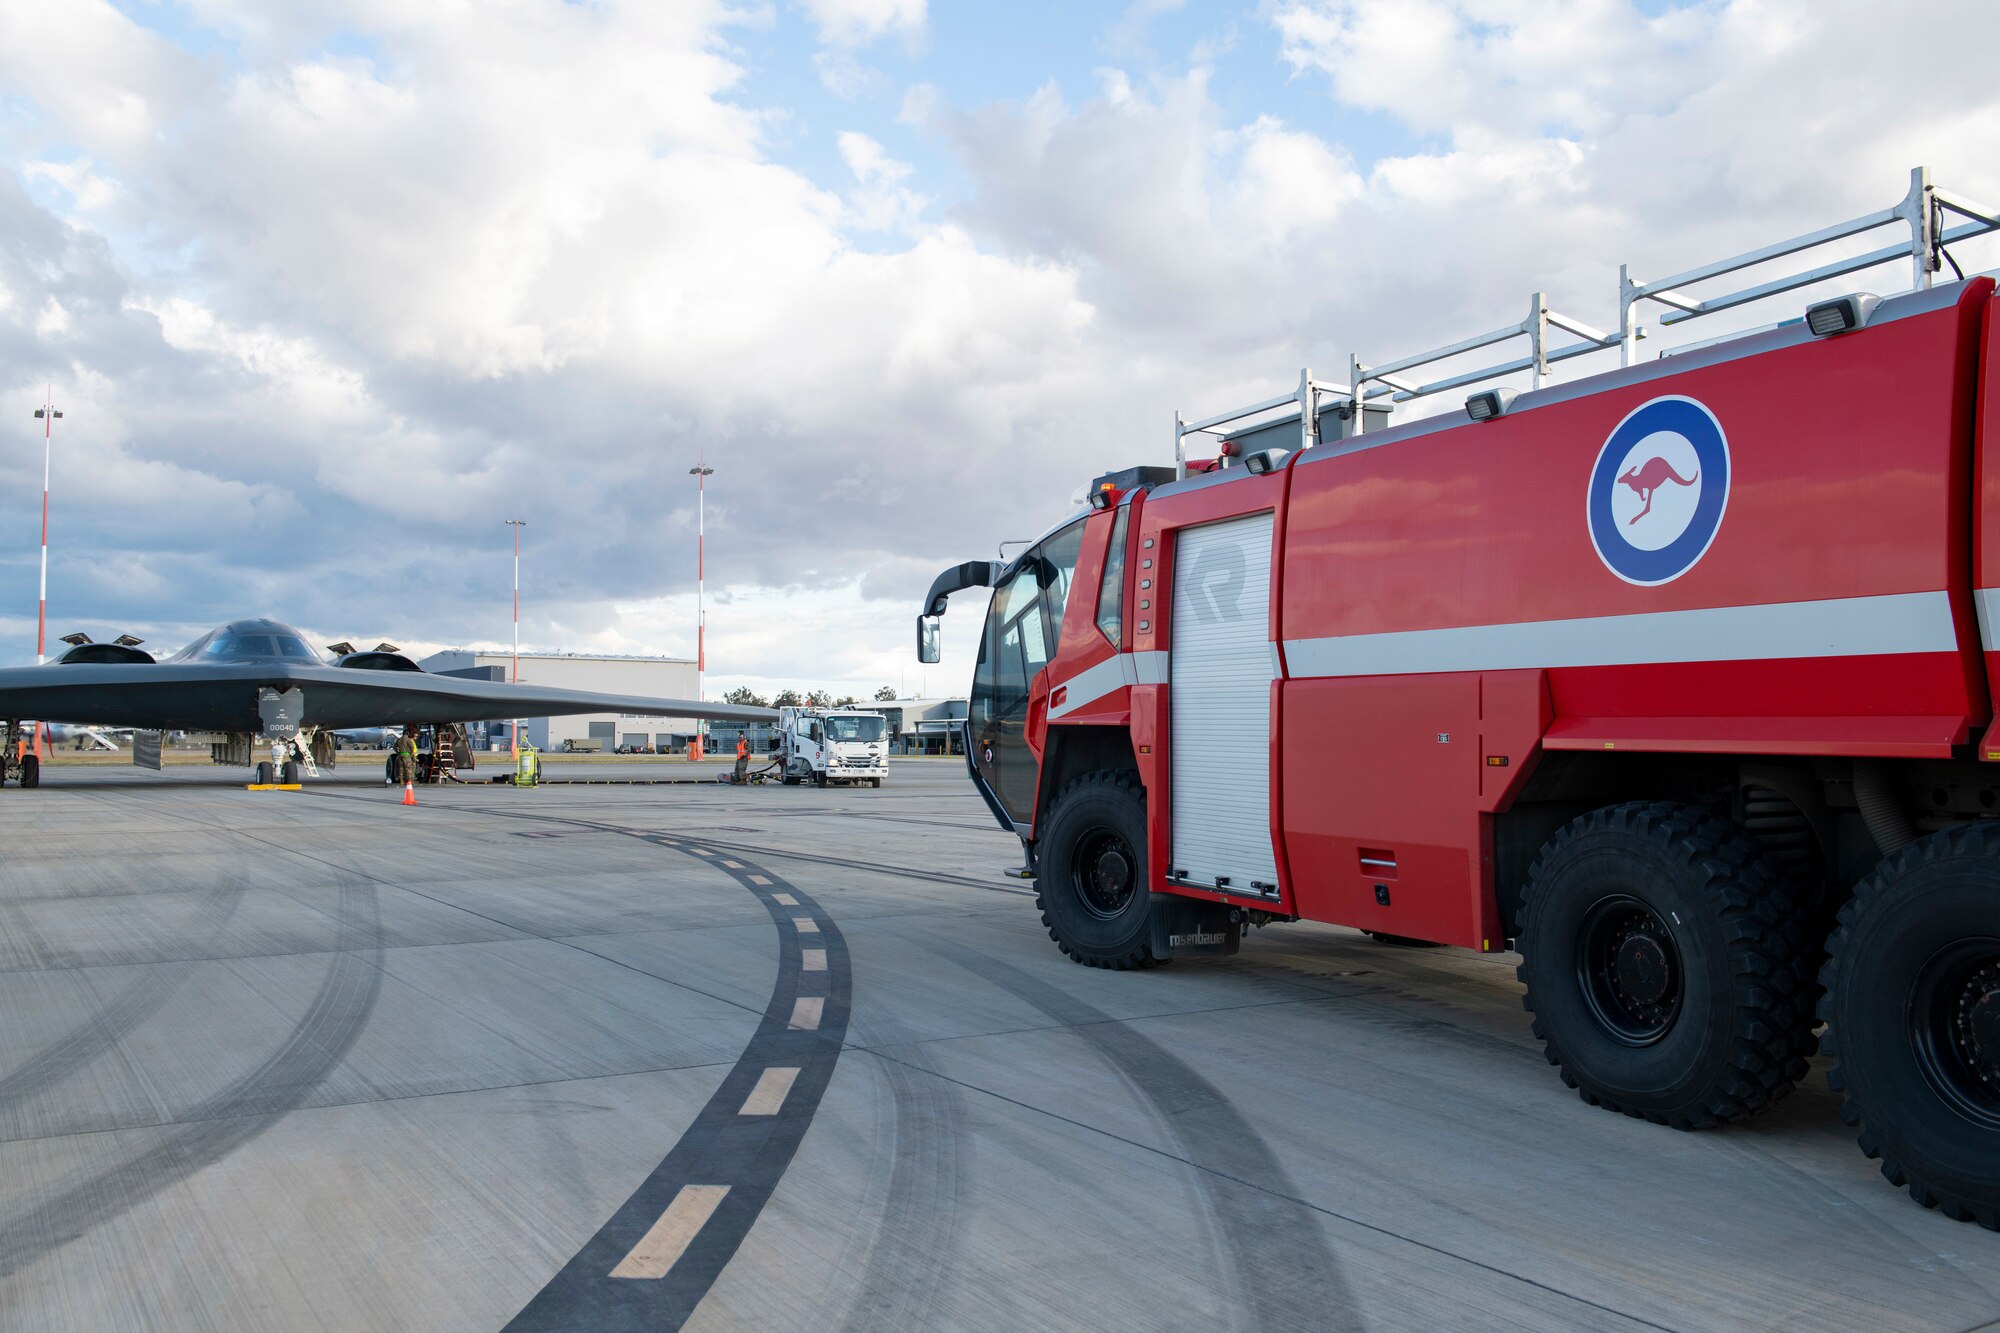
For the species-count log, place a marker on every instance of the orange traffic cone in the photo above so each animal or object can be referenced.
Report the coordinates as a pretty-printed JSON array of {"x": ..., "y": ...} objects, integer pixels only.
[{"x": 409, "y": 794}]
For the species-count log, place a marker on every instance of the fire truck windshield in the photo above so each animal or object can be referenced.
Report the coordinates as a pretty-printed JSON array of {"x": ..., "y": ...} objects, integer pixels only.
[
  {"x": 1022, "y": 628},
  {"x": 840, "y": 728}
]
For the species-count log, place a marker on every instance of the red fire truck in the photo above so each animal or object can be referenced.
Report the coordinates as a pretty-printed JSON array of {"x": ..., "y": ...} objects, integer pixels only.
[{"x": 1678, "y": 679}]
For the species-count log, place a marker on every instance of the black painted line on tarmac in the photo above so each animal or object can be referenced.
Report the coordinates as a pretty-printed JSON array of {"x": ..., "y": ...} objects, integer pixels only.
[
  {"x": 734, "y": 848},
  {"x": 749, "y": 849},
  {"x": 625, "y": 782},
  {"x": 749, "y": 1154},
  {"x": 880, "y": 867}
]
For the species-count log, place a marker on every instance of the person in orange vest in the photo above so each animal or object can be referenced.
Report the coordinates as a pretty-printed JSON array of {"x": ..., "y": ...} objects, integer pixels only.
[{"x": 742, "y": 758}]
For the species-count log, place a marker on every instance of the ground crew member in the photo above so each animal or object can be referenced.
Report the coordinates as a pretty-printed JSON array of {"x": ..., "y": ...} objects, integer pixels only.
[
  {"x": 742, "y": 758},
  {"x": 406, "y": 754}
]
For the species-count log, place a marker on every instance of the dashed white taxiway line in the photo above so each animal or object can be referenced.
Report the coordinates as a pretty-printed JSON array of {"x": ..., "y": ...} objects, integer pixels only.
[{"x": 667, "y": 1239}]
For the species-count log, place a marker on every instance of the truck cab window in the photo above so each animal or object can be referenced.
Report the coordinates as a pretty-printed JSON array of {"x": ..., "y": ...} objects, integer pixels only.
[
  {"x": 844, "y": 729},
  {"x": 1058, "y": 567},
  {"x": 1020, "y": 645},
  {"x": 1111, "y": 591},
  {"x": 1022, "y": 626}
]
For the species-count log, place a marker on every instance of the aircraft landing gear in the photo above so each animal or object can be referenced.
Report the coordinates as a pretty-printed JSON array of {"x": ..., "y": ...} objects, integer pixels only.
[
  {"x": 280, "y": 767},
  {"x": 14, "y": 756}
]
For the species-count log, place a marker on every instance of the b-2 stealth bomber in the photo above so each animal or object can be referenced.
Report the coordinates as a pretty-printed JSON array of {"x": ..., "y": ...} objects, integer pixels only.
[{"x": 252, "y": 679}]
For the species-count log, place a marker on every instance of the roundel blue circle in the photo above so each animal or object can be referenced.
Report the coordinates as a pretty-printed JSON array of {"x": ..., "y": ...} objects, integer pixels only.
[{"x": 1658, "y": 490}]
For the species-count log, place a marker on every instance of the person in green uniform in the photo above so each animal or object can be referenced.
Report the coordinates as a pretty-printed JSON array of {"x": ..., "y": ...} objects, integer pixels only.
[{"x": 406, "y": 754}]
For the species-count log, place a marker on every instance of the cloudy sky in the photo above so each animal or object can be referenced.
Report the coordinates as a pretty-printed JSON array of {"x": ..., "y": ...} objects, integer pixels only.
[{"x": 328, "y": 290}]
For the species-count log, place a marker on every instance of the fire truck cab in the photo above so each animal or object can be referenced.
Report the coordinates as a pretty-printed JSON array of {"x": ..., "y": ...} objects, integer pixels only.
[{"x": 1677, "y": 678}]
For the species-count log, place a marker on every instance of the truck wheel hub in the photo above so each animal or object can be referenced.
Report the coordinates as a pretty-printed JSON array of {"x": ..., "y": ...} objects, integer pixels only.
[
  {"x": 1104, "y": 873},
  {"x": 1979, "y": 1022},
  {"x": 1644, "y": 974},
  {"x": 1953, "y": 1016},
  {"x": 1628, "y": 970}
]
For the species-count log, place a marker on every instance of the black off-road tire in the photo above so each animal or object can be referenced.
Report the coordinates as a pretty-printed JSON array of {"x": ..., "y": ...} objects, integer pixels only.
[
  {"x": 1630, "y": 894},
  {"x": 1092, "y": 890},
  {"x": 1929, "y": 1113},
  {"x": 389, "y": 771},
  {"x": 31, "y": 770}
]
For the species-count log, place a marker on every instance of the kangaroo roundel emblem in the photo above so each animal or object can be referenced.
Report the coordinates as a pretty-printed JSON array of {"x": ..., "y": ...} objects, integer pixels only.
[{"x": 1658, "y": 491}]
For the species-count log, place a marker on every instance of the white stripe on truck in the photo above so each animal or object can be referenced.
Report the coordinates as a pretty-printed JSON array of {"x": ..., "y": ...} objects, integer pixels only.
[
  {"x": 1113, "y": 673},
  {"x": 1913, "y": 622}
]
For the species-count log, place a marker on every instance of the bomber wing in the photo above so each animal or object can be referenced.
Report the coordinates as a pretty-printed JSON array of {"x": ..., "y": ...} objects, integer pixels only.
[{"x": 223, "y": 697}]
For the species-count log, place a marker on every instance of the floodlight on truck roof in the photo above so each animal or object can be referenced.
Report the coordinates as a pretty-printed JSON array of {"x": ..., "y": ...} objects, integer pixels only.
[{"x": 1843, "y": 314}]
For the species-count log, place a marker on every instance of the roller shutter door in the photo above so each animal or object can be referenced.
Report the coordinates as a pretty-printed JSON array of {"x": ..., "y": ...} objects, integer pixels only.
[{"x": 1221, "y": 671}]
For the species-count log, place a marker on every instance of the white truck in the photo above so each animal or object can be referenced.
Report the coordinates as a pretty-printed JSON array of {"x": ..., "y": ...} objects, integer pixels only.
[{"x": 822, "y": 745}]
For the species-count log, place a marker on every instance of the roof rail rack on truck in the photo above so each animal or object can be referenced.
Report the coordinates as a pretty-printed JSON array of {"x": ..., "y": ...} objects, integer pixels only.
[{"x": 1678, "y": 678}]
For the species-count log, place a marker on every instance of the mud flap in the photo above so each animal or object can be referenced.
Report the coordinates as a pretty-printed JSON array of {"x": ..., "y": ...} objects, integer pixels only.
[{"x": 1193, "y": 926}]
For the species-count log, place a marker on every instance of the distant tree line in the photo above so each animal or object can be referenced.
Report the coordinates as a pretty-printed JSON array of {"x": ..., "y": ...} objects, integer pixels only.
[{"x": 810, "y": 699}]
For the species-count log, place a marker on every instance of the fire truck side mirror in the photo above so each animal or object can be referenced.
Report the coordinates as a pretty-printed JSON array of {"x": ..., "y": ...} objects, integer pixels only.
[{"x": 927, "y": 639}]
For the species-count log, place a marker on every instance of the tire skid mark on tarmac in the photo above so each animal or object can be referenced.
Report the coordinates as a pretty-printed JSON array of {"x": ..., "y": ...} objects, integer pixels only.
[
  {"x": 108, "y": 1024},
  {"x": 1286, "y": 1276},
  {"x": 1216, "y": 1140},
  {"x": 723, "y": 1146},
  {"x": 206, "y": 1133},
  {"x": 914, "y": 1251},
  {"x": 1782, "y": 1182},
  {"x": 733, "y": 848},
  {"x": 784, "y": 853}
]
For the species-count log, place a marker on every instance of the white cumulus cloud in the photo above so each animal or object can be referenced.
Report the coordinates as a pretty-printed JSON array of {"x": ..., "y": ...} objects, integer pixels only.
[{"x": 858, "y": 22}]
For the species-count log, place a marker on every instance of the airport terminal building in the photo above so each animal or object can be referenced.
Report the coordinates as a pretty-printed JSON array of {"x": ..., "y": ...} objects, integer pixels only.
[{"x": 605, "y": 673}]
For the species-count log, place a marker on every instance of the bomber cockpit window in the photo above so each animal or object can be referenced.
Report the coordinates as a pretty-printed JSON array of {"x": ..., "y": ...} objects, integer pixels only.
[{"x": 226, "y": 646}]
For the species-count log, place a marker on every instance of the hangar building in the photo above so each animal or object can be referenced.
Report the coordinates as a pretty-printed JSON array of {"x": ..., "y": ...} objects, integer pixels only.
[
  {"x": 924, "y": 726},
  {"x": 604, "y": 673}
]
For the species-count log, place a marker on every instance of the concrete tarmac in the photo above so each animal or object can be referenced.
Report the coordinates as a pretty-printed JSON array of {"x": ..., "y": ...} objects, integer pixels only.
[{"x": 787, "y": 1058}]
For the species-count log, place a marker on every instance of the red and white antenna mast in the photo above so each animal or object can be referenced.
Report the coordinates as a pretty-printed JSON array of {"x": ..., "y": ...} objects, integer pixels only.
[
  {"x": 514, "y": 729},
  {"x": 701, "y": 472},
  {"x": 48, "y": 416}
]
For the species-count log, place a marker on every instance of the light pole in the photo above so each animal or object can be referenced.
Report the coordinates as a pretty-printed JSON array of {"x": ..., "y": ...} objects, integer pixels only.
[
  {"x": 701, "y": 472},
  {"x": 514, "y": 730},
  {"x": 48, "y": 416}
]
